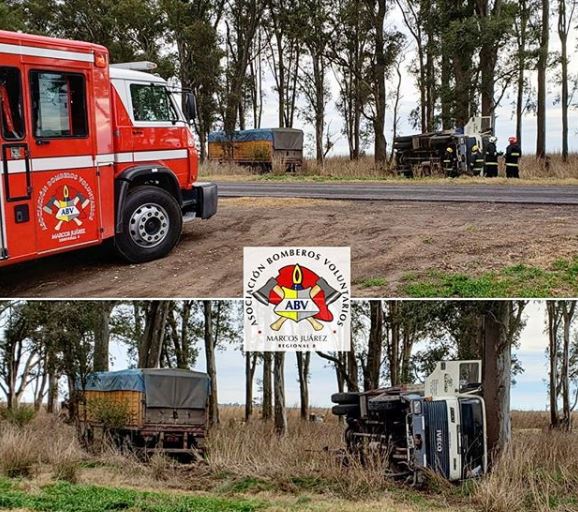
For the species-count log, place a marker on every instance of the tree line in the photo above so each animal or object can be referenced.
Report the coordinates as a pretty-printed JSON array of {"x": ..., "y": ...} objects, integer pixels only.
[
  {"x": 468, "y": 58},
  {"x": 48, "y": 347}
]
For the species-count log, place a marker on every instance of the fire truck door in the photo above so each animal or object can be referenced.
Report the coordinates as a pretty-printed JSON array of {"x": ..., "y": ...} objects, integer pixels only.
[
  {"x": 16, "y": 215},
  {"x": 65, "y": 181}
]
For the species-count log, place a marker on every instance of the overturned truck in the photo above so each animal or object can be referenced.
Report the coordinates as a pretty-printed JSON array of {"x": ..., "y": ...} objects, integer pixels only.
[
  {"x": 439, "y": 426},
  {"x": 146, "y": 410},
  {"x": 423, "y": 154}
]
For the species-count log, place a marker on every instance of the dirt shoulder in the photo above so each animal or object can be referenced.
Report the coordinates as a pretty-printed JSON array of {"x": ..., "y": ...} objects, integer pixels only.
[{"x": 390, "y": 241}]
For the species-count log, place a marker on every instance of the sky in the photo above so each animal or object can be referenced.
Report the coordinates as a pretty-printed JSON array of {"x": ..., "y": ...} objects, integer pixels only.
[
  {"x": 505, "y": 123},
  {"x": 529, "y": 392}
]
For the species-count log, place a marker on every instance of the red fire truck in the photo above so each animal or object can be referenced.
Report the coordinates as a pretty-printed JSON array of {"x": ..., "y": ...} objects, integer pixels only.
[{"x": 92, "y": 152}]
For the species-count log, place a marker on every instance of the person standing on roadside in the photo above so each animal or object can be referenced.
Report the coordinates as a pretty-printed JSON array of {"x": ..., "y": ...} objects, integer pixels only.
[
  {"x": 477, "y": 161},
  {"x": 513, "y": 154},
  {"x": 491, "y": 167},
  {"x": 449, "y": 162}
]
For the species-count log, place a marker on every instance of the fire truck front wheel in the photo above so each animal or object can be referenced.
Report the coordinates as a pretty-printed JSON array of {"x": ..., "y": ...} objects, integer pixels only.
[{"x": 151, "y": 224}]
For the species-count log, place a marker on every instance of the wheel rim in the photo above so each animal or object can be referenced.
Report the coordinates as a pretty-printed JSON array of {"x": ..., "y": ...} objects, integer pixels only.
[{"x": 149, "y": 225}]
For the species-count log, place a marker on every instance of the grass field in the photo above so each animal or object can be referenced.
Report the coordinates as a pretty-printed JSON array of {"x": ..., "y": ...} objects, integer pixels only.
[
  {"x": 560, "y": 280},
  {"x": 341, "y": 168},
  {"x": 249, "y": 469}
]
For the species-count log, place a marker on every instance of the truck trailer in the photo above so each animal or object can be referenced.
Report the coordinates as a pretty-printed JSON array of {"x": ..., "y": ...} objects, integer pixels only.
[
  {"x": 259, "y": 148},
  {"x": 146, "y": 410},
  {"x": 439, "y": 426},
  {"x": 91, "y": 152}
]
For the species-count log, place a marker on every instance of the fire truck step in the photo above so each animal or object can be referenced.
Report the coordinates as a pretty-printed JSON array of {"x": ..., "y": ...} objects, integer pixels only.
[{"x": 189, "y": 216}]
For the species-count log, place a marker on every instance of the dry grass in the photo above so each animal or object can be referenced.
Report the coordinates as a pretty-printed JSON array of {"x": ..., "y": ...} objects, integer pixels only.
[
  {"x": 553, "y": 168},
  {"x": 44, "y": 440},
  {"x": 540, "y": 472}
]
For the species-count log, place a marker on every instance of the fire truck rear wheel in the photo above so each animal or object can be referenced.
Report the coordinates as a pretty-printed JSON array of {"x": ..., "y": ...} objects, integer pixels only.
[{"x": 152, "y": 224}]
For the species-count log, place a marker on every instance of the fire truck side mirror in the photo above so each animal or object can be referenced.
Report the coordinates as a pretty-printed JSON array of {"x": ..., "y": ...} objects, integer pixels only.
[{"x": 190, "y": 106}]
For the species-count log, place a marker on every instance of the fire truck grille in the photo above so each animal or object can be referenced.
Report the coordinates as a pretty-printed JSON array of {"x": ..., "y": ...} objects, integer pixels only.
[{"x": 437, "y": 435}]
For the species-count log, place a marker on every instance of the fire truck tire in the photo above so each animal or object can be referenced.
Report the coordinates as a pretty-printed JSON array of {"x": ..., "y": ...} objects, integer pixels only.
[
  {"x": 152, "y": 224},
  {"x": 346, "y": 410},
  {"x": 345, "y": 398}
]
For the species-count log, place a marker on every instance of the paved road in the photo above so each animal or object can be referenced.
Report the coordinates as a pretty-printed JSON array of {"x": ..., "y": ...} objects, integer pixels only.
[{"x": 524, "y": 194}]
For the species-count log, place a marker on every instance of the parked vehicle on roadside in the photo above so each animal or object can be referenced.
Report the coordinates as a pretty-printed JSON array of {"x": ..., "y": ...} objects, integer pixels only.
[
  {"x": 259, "y": 149},
  {"x": 146, "y": 410},
  {"x": 92, "y": 152},
  {"x": 439, "y": 426}
]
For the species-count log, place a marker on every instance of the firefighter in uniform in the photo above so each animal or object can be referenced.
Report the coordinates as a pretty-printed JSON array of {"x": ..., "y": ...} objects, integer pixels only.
[
  {"x": 477, "y": 161},
  {"x": 513, "y": 154},
  {"x": 449, "y": 162},
  {"x": 491, "y": 169}
]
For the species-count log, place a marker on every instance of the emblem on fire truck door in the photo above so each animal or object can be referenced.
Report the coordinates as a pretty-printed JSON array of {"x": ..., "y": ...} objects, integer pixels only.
[
  {"x": 297, "y": 299},
  {"x": 65, "y": 205}
]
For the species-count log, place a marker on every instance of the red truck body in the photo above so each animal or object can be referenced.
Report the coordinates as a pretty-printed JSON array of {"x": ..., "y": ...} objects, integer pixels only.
[{"x": 91, "y": 152}]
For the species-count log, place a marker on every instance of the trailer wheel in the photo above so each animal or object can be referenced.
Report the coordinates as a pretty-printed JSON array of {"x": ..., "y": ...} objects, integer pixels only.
[
  {"x": 346, "y": 410},
  {"x": 152, "y": 224},
  {"x": 345, "y": 398}
]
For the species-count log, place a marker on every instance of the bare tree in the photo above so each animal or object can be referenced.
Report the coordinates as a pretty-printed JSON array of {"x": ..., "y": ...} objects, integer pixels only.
[
  {"x": 542, "y": 84},
  {"x": 280, "y": 410},
  {"x": 566, "y": 11},
  {"x": 501, "y": 324},
  {"x": 103, "y": 309},
  {"x": 561, "y": 316},
  {"x": 210, "y": 346},
  {"x": 250, "y": 367},
  {"x": 267, "y": 412},
  {"x": 150, "y": 345},
  {"x": 375, "y": 342},
  {"x": 303, "y": 362},
  {"x": 242, "y": 21}
]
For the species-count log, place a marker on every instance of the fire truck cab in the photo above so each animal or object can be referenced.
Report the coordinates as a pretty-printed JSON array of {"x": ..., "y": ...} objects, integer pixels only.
[{"x": 91, "y": 152}]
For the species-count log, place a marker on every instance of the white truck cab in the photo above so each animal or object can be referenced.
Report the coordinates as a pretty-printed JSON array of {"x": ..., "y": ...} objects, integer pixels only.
[{"x": 438, "y": 426}]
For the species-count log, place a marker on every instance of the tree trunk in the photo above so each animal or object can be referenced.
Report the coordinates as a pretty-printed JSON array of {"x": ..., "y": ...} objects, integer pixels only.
[
  {"x": 393, "y": 351},
  {"x": 522, "y": 37},
  {"x": 319, "y": 80},
  {"x": 542, "y": 83},
  {"x": 303, "y": 360},
  {"x": 213, "y": 411},
  {"x": 280, "y": 412},
  {"x": 267, "y": 412},
  {"x": 102, "y": 335},
  {"x": 552, "y": 308},
  {"x": 497, "y": 367},
  {"x": 150, "y": 347},
  {"x": 379, "y": 86},
  {"x": 563, "y": 28},
  {"x": 371, "y": 377},
  {"x": 488, "y": 55},
  {"x": 568, "y": 310},
  {"x": 250, "y": 365}
]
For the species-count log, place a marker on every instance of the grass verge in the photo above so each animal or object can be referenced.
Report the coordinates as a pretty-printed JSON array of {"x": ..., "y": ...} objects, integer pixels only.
[
  {"x": 65, "y": 497},
  {"x": 560, "y": 280}
]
